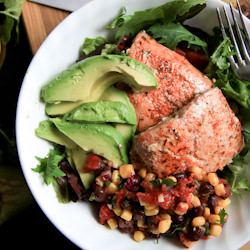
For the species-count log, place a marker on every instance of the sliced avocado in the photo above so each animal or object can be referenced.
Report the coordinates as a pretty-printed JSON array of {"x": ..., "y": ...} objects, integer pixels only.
[
  {"x": 101, "y": 139},
  {"x": 60, "y": 108},
  {"x": 110, "y": 94},
  {"x": 127, "y": 130},
  {"x": 102, "y": 112},
  {"x": 79, "y": 158},
  {"x": 48, "y": 131},
  {"x": 88, "y": 79}
]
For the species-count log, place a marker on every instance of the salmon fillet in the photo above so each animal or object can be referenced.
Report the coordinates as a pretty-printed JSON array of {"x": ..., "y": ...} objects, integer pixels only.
[
  {"x": 178, "y": 80},
  {"x": 204, "y": 133}
]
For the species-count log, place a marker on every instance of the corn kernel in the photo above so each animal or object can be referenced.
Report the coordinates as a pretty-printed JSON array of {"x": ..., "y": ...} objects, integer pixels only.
[
  {"x": 206, "y": 212},
  {"x": 196, "y": 201},
  {"x": 126, "y": 215},
  {"x": 126, "y": 171},
  {"x": 142, "y": 173},
  {"x": 165, "y": 216},
  {"x": 139, "y": 236},
  {"x": 224, "y": 203},
  {"x": 117, "y": 211},
  {"x": 198, "y": 221},
  {"x": 151, "y": 212},
  {"x": 172, "y": 178},
  {"x": 150, "y": 207},
  {"x": 213, "y": 179},
  {"x": 219, "y": 190},
  {"x": 99, "y": 181},
  {"x": 141, "y": 223},
  {"x": 164, "y": 226},
  {"x": 112, "y": 223},
  {"x": 181, "y": 208},
  {"x": 111, "y": 188},
  {"x": 215, "y": 230},
  {"x": 155, "y": 231},
  {"x": 116, "y": 178},
  {"x": 214, "y": 219},
  {"x": 150, "y": 177},
  {"x": 195, "y": 169}
]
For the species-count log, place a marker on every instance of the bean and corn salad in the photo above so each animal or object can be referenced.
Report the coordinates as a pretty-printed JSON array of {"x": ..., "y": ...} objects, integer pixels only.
[{"x": 190, "y": 206}]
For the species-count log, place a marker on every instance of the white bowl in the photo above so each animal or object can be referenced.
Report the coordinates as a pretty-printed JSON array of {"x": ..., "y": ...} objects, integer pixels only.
[{"x": 77, "y": 221}]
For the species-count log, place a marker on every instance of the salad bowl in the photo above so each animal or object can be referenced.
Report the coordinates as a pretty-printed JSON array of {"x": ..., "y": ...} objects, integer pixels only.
[{"x": 78, "y": 221}]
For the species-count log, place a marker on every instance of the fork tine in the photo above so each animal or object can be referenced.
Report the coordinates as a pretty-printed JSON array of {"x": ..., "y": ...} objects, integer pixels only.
[
  {"x": 243, "y": 23},
  {"x": 238, "y": 55},
  {"x": 231, "y": 58},
  {"x": 240, "y": 38},
  {"x": 221, "y": 23}
]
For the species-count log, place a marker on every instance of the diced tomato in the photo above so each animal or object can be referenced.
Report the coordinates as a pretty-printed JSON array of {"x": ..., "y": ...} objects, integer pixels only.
[
  {"x": 105, "y": 213},
  {"x": 197, "y": 58},
  {"x": 124, "y": 193},
  {"x": 171, "y": 195},
  {"x": 93, "y": 162}
]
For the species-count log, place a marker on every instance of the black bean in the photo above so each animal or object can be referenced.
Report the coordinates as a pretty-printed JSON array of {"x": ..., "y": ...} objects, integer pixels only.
[
  {"x": 181, "y": 175},
  {"x": 195, "y": 233},
  {"x": 126, "y": 204},
  {"x": 206, "y": 189},
  {"x": 139, "y": 214},
  {"x": 133, "y": 183},
  {"x": 212, "y": 202},
  {"x": 178, "y": 218},
  {"x": 126, "y": 226},
  {"x": 100, "y": 194},
  {"x": 198, "y": 211}
]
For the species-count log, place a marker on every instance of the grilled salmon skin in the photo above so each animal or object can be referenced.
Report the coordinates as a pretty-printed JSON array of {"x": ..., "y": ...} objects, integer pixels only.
[
  {"x": 204, "y": 133},
  {"x": 178, "y": 81}
]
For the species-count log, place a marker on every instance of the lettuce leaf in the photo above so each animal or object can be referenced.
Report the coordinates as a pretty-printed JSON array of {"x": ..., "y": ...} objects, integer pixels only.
[
  {"x": 173, "y": 11},
  {"x": 172, "y": 34},
  {"x": 91, "y": 44},
  {"x": 11, "y": 13}
]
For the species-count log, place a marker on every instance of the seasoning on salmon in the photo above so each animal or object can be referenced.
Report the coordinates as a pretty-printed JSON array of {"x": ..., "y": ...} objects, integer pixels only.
[
  {"x": 204, "y": 133},
  {"x": 178, "y": 80}
]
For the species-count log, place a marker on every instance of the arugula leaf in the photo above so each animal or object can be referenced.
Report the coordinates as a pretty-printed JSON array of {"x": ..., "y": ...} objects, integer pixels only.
[
  {"x": 48, "y": 166},
  {"x": 178, "y": 10},
  {"x": 231, "y": 86},
  {"x": 11, "y": 15},
  {"x": 235, "y": 174},
  {"x": 173, "y": 33},
  {"x": 221, "y": 54},
  {"x": 91, "y": 44}
]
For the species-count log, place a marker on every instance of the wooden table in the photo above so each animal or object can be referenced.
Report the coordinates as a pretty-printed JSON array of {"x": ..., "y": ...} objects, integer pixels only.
[{"x": 39, "y": 21}]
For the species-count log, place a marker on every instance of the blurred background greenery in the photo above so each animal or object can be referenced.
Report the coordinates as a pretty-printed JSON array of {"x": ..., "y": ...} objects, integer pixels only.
[{"x": 22, "y": 223}]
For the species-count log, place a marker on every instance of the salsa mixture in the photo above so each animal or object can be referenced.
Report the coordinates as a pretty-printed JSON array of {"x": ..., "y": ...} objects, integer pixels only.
[{"x": 152, "y": 127}]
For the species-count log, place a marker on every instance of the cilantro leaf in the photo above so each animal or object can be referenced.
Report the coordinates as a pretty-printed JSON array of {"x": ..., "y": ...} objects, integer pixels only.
[
  {"x": 159, "y": 183},
  {"x": 48, "y": 166},
  {"x": 173, "y": 33},
  {"x": 222, "y": 215}
]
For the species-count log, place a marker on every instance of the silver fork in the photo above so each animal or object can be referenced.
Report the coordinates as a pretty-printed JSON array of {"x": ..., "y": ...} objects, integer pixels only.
[{"x": 241, "y": 66}]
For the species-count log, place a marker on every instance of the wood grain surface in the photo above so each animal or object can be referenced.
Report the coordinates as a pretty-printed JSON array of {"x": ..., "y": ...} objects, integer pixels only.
[{"x": 39, "y": 21}]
